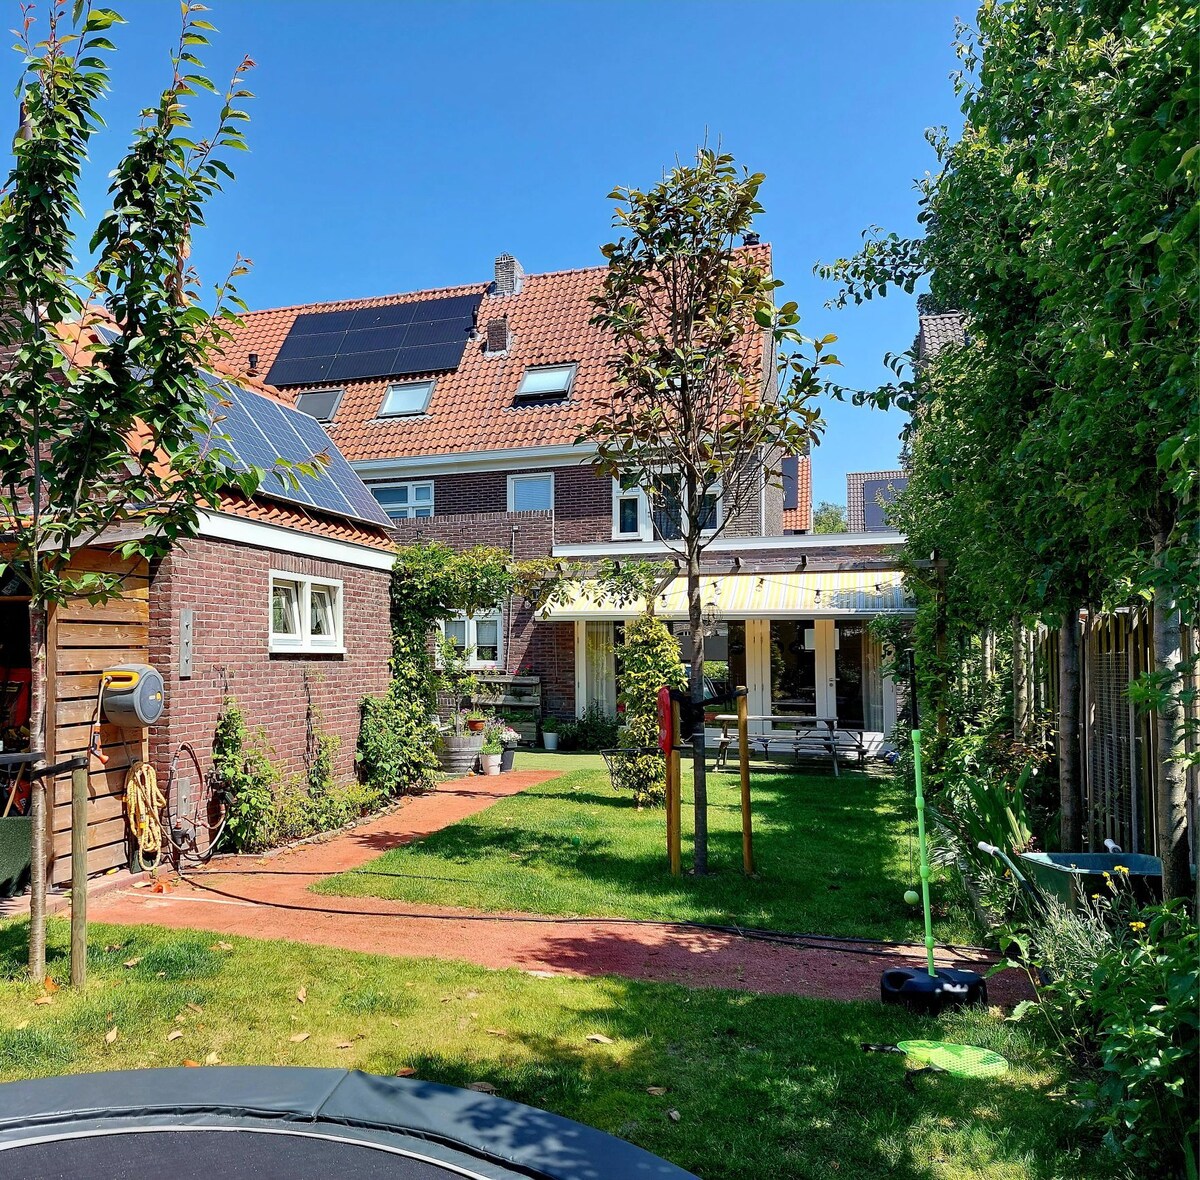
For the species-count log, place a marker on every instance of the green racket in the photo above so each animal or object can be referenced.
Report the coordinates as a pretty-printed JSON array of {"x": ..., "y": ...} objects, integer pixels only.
[{"x": 963, "y": 1061}]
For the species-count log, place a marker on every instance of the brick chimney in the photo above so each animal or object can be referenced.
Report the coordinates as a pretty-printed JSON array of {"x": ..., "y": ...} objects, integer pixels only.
[
  {"x": 509, "y": 276},
  {"x": 496, "y": 339}
]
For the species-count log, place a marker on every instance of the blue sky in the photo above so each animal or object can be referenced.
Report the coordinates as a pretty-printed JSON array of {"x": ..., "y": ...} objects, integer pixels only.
[{"x": 401, "y": 144}]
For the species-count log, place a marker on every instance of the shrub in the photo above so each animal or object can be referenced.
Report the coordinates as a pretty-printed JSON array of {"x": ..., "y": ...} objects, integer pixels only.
[
  {"x": 242, "y": 766},
  {"x": 1120, "y": 987},
  {"x": 595, "y": 730},
  {"x": 397, "y": 750},
  {"x": 649, "y": 660}
]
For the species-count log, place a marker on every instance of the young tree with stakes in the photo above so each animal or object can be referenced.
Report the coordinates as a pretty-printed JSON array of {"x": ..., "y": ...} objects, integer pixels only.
[
  {"x": 109, "y": 441},
  {"x": 709, "y": 381}
]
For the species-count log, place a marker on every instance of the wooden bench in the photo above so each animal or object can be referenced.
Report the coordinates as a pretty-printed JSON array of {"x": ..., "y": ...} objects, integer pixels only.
[{"x": 821, "y": 736}]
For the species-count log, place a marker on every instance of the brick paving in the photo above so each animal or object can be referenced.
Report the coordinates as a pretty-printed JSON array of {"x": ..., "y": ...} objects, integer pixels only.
[{"x": 269, "y": 897}]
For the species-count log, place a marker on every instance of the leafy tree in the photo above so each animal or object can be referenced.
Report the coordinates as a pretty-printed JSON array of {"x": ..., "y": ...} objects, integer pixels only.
[
  {"x": 690, "y": 416},
  {"x": 829, "y": 518},
  {"x": 1055, "y": 456},
  {"x": 649, "y": 661},
  {"x": 101, "y": 434}
]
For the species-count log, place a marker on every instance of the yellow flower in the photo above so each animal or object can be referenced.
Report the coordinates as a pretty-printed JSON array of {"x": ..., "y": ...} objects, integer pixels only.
[
  {"x": 1137, "y": 925},
  {"x": 1121, "y": 869}
]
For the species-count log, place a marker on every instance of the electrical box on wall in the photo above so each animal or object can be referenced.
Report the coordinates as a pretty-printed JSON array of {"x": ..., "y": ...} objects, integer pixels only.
[{"x": 133, "y": 695}]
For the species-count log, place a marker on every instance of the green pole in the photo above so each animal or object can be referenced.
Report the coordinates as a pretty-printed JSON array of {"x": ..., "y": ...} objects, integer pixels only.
[{"x": 917, "y": 774}]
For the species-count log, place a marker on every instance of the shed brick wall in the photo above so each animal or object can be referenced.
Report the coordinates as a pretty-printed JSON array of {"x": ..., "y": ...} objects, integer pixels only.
[{"x": 227, "y": 586}]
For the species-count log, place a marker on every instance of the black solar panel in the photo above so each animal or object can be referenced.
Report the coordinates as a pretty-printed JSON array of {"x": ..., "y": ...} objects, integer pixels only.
[
  {"x": 874, "y": 490},
  {"x": 423, "y": 336}
]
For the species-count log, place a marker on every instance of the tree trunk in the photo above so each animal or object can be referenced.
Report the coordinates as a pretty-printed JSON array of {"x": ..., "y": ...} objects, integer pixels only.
[
  {"x": 1170, "y": 775},
  {"x": 37, "y": 795},
  {"x": 696, "y": 687},
  {"x": 1020, "y": 683},
  {"x": 1068, "y": 732}
]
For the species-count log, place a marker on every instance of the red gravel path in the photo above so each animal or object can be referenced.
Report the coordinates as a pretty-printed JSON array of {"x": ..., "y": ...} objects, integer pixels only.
[{"x": 268, "y": 897}]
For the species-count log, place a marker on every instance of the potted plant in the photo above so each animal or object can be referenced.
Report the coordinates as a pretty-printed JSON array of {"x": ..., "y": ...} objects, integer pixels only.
[
  {"x": 550, "y": 728},
  {"x": 489, "y": 756},
  {"x": 509, "y": 738},
  {"x": 459, "y": 747},
  {"x": 476, "y": 720}
]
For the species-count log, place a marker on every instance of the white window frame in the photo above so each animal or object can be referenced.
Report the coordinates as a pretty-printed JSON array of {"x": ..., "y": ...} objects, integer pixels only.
[
  {"x": 382, "y": 413},
  {"x": 410, "y": 509},
  {"x": 337, "y": 402},
  {"x": 306, "y": 642},
  {"x": 540, "y": 476},
  {"x": 471, "y": 632},
  {"x": 645, "y": 529}
]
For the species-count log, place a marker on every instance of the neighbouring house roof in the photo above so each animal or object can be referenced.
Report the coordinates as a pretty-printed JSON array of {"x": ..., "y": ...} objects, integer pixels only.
[
  {"x": 937, "y": 331},
  {"x": 799, "y": 519},
  {"x": 472, "y": 407},
  {"x": 863, "y": 491}
]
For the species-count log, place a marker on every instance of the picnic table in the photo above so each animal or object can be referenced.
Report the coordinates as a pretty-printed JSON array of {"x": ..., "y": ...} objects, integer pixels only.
[{"x": 802, "y": 735}]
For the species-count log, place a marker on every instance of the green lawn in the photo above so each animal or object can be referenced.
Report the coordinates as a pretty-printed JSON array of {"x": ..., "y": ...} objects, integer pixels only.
[
  {"x": 765, "y": 1086},
  {"x": 833, "y": 856}
]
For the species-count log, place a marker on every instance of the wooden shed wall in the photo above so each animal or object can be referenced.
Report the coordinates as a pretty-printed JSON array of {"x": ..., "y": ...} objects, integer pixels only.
[{"x": 83, "y": 640}]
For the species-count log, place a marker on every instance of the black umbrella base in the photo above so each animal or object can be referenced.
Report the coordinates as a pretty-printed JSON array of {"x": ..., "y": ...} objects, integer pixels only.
[{"x": 919, "y": 991}]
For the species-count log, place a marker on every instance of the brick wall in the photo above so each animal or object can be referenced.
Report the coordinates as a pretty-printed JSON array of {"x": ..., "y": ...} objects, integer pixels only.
[
  {"x": 227, "y": 586},
  {"x": 583, "y": 506},
  {"x": 548, "y": 648}
]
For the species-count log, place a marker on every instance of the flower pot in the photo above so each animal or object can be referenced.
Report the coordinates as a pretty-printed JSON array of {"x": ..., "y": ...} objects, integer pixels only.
[
  {"x": 476, "y": 725},
  {"x": 15, "y": 844},
  {"x": 506, "y": 759},
  {"x": 459, "y": 751},
  {"x": 490, "y": 763},
  {"x": 550, "y": 741}
]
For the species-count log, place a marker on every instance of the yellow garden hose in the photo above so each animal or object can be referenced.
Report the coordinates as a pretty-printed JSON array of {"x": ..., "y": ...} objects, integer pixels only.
[{"x": 144, "y": 802}]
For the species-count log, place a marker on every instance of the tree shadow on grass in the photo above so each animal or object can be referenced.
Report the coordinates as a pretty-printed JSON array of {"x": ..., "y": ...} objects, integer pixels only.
[{"x": 763, "y": 1086}]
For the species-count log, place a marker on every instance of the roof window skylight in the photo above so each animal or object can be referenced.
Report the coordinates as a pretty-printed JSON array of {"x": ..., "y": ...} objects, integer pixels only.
[{"x": 546, "y": 383}]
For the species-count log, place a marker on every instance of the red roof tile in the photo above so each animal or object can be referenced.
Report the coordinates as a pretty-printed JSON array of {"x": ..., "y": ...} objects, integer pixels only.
[
  {"x": 471, "y": 408},
  {"x": 799, "y": 519}
]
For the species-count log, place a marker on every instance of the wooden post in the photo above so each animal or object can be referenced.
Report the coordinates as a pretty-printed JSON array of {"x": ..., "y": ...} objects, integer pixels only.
[
  {"x": 674, "y": 795},
  {"x": 744, "y": 768},
  {"x": 79, "y": 851}
]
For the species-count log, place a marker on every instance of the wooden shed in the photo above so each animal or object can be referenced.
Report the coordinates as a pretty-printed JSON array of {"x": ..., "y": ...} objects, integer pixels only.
[{"x": 82, "y": 640}]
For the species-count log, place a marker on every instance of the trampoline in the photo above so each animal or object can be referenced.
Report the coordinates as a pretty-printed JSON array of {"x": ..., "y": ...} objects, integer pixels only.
[{"x": 273, "y": 1123}]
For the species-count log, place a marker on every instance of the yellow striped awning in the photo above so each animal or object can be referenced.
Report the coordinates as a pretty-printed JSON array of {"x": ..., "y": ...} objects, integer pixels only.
[{"x": 832, "y": 594}]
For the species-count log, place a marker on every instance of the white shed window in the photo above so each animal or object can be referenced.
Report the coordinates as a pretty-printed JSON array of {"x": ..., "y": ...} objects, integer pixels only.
[
  {"x": 406, "y": 397},
  {"x": 306, "y": 614},
  {"x": 405, "y": 501},
  {"x": 531, "y": 493},
  {"x": 478, "y": 638}
]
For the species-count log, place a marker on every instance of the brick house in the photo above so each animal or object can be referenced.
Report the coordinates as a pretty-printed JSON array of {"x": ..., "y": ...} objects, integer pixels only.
[
  {"x": 478, "y": 447},
  {"x": 280, "y": 600}
]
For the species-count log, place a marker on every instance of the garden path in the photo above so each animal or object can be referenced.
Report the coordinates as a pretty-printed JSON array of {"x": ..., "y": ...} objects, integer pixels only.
[{"x": 268, "y": 897}]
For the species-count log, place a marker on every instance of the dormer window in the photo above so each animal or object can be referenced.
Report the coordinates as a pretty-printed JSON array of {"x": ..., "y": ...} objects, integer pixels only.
[
  {"x": 406, "y": 397},
  {"x": 321, "y": 404},
  {"x": 545, "y": 383}
]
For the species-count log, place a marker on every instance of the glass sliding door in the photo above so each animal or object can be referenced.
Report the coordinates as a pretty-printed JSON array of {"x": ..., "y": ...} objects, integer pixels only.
[
  {"x": 850, "y": 645},
  {"x": 601, "y": 669},
  {"x": 793, "y": 655}
]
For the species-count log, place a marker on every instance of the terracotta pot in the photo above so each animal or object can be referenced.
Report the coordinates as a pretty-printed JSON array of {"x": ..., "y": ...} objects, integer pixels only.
[{"x": 477, "y": 726}]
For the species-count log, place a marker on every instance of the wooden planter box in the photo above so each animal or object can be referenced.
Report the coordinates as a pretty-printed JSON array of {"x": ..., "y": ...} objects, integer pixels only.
[{"x": 519, "y": 698}]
